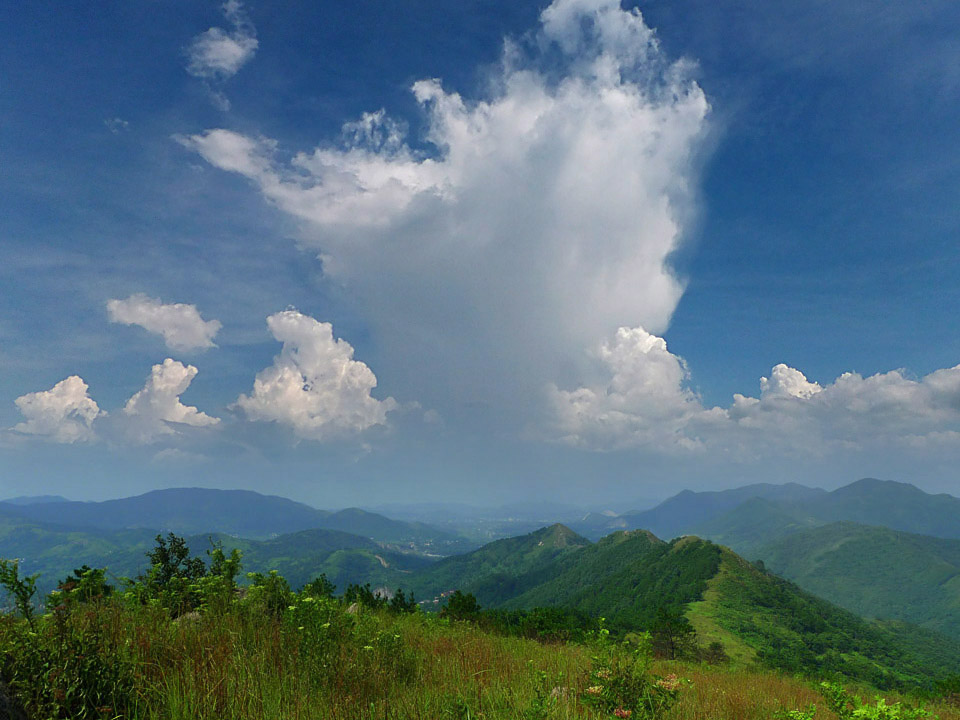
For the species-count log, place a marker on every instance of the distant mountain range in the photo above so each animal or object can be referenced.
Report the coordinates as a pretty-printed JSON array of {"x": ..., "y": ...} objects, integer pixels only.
[
  {"x": 240, "y": 513},
  {"x": 877, "y": 548}
]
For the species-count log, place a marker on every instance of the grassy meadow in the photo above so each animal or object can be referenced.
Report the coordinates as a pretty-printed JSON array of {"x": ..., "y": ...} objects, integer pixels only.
[{"x": 313, "y": 659}]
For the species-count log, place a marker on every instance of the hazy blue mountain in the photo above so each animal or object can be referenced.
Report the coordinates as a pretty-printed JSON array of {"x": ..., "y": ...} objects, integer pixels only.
[
  {"x": 186, "y": 511},
  {"x": 55, "y": 550},
  {"x": 35, "y": 499},
  {"x": 685, "y": 511},
  {"x": 754, "y": 523},
  {"x": 412, "y": 535},
  {"x": 895, "y": 505},
  {"x": 241, "y": 513},
  {"x": 722, "y": 515}
]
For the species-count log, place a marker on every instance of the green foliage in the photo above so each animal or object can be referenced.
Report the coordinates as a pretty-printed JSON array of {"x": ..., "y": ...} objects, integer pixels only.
[
  {"x": 67, "y": 667},
  {"x": 86, "y": 584},
  {"x": 461, "y": 606},
  {"x": 364, "y": 596},
  {"x": 545, "y": 624},
  {"x": 401, "y": 603},
  {"x": 320, "y": 587},
  {"x": 269, "y": 593},
  {"x": 623, "y": 685},
  {"x": 671, "y": 634},
  {"x": 851, "y": 707},
  {"x": 21, "y": 588},
  {"x": 798, "y": 633}
]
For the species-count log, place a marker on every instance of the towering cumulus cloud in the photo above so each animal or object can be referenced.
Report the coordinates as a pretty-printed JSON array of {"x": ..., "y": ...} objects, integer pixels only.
[
  {"x": 64, "y": 413},
  {"x": 156, "y": 410},
  {"x": 314, "y": 385},
  {"x": 536, "y": 220}
]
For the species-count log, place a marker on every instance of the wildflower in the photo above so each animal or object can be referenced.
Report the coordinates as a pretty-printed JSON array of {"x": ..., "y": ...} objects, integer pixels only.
[
  {"x": 670, "y": 683},
  {"x": 594, "y": 690},
  {"x": 603, "y": 674},
  {"x": 622, "y": 713}
]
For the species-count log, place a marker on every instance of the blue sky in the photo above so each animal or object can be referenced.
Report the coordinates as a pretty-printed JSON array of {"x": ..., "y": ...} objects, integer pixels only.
[{"x": 482, "y": 251}]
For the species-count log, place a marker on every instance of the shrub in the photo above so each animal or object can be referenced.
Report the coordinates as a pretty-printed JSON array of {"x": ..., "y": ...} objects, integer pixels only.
[{"x": 21, "y": 588}]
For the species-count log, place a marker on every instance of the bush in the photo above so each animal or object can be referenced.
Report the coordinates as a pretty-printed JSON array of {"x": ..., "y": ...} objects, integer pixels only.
[{"x": 622, "y": 684}]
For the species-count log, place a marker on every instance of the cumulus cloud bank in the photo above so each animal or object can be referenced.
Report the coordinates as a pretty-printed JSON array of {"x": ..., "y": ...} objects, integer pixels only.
[
  {"x": 180, "y": 324},
  {"x": 156, "y": 410},
  {"x": 64, "y": 413},
  {"x": 538, "y": 218},
  {"x": 314, "y": 385},
  {"x": 644, "y": 401},
  {"x": 219, "y": 54}
]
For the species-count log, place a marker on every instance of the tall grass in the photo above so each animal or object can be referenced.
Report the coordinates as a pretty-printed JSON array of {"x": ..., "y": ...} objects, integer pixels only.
[{"x": 315, "y": 660}]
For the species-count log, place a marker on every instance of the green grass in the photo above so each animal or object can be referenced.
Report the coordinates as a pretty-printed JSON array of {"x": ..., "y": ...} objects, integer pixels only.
[{"x": 317, "y": 661}]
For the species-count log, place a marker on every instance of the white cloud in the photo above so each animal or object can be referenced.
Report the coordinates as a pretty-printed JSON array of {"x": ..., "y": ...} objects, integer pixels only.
[
  {"x": 314, "y": 385},
  {"x": 64, "y": 414},
  {"x": 116, "y": 125},
  {"x": 541, "y": 219},
  {"x": 156, "y": 410},
  {"x": 180, "y": 324},
  {"x": 644, "y": 401},
  {"x": 218, "y": 54}
]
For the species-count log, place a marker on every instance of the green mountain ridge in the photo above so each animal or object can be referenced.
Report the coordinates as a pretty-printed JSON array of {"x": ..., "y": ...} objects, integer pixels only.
[
  {"x": 627, "y": 577},
  {"x": 874, "y": 572}
]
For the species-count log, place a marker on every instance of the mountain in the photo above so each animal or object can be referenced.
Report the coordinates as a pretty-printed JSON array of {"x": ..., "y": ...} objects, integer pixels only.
[
  {"x": 240, "y": 513},
  {"x": 491, "y": 571},
  {"x": 722, "y": 516},
  {"x": 754, "y": 523},
  {"x": 685, "y": 511},
  {"x": 874, "y": 572},
  {"x": 185, "y": 511},
  {"x": 344, "y": 558},
  {"x": 896, "y": 505},
  {"x": 413, "y": 535},
  {"x": 627, "y": 577},
  {"x": 54, "y": 551},
  {"x": 35, "y": 499},
  {"x": 759, "y": 616}
]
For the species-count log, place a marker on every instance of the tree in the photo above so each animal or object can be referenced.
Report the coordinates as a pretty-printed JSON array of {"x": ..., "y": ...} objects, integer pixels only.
[
  {"x": 461, "y": 606},
  {"x": 320, "y": 587},
  {"x": 171, "y": 559},
  {"x": 400, "y": 603},
  {"x": 671, "y": 633},
  {"x": 22, "y": 588}
]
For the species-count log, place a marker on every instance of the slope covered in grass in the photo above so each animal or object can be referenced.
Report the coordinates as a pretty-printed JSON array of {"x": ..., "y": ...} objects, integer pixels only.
[{"x": 771, "y": 620}]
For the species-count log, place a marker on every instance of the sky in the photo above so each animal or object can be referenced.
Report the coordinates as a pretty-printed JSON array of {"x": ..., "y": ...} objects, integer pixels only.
[{"x": 581, "y": 251}]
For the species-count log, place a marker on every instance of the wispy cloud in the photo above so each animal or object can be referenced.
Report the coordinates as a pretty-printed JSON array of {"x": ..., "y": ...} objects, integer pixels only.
[{"x": 218, "y": 54}]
